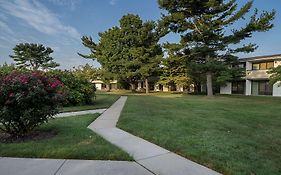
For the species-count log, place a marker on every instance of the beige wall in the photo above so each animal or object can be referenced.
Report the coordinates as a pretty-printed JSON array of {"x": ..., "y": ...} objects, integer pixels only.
[
  {"x": 98, "y": 86},
  {"x": 277, "y": 63},
  {"x": 226, "y": 89},
  {"x": 257, "y": 74},
  {"x": 277, "y": 89}
]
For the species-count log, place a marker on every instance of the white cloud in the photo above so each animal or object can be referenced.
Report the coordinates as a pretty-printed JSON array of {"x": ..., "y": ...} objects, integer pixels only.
[
  {"x": 39, "y": 17},
  {"x": 69, "y": 3},
  {"x": 112, "y": 2}
]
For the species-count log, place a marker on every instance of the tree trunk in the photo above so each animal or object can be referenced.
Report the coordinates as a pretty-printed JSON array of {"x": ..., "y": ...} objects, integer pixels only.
[
  {"x": 108, "y": 87},
  {"x": 197, "y": 88},
  {"x": 133, "y": 87},
  {"x": 146, "y": 86},
  {"x": 209, "y": 84}
]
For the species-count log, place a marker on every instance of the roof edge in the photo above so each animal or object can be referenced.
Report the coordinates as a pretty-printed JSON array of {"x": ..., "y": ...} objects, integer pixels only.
[{"x": 259, "y": 57}]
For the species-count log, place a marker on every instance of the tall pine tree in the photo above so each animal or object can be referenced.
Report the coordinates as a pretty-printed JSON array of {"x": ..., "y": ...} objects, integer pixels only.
[{"x": 208, "y": 33}]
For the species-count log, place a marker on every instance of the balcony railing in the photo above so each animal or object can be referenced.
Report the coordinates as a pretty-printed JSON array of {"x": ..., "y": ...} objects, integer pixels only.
[{"x": 257, "y": 74}]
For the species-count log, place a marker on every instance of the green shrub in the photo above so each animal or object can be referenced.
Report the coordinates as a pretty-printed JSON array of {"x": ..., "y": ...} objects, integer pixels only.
[
  {"x": 6, "y": 69},
  {"x": 27, "y": 100},
  {"x": 78, "y": 90}
]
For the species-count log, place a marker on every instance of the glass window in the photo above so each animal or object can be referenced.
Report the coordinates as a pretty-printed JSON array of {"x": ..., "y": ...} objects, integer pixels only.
[
  {"x": 262, "y": 66},
  {"x": 269, "y": 65},
  {"x": 256, "y": 66},
  {"x": 261, "y": 88},
  {"x": 268, "y": 88},
  {"x": 238, "y": 87},
  {"x": 255, "y": 88}
]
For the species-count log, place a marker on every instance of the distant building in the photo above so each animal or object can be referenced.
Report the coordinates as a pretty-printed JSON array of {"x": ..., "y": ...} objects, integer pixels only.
[
  {"x": 140, "y": 85},
  {"x": 256, "y": 81},
  {"x": 100, "y": 85}
]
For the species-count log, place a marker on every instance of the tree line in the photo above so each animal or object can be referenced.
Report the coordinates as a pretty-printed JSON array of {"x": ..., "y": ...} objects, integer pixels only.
[
  {"x": 206, "y": 53},
  {"x": 209, "y": 41}
]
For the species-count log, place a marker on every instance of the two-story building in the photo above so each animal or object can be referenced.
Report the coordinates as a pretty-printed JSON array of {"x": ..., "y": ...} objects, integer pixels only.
[{"x": 256, "y": 81}]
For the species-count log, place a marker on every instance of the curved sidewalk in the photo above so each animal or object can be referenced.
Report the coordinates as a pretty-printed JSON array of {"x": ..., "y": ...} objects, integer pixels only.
[{"x": 154, "y": 158}]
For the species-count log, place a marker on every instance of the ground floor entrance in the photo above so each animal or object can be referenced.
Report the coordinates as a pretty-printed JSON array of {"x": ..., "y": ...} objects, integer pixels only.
[
  {"x": 238, "y": 87},
  {"x": 261, "y": 87}
]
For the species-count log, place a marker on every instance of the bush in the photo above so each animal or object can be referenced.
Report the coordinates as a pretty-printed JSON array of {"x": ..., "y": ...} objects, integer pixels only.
[
  {"x": 27, "y": 100},
  {"x": 78, "y": 90},
  {"x": 6, "y": 69}
]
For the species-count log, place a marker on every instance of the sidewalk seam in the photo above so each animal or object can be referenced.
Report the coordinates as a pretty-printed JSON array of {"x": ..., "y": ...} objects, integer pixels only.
[
  {"x": 145, "y": 168},
  {"x": 153, "y": 156},
  {"x": 60, "y": 166}
]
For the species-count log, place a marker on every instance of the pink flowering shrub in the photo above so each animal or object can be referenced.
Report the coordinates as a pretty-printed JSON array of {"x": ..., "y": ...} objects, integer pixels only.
[{"x": 27, "y": 100}]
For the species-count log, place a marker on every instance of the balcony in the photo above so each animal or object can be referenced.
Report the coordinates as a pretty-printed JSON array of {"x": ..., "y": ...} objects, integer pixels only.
[{"x": 257, "y": 74}]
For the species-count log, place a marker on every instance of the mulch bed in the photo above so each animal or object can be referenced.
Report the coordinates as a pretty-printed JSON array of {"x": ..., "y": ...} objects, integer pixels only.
[{"x": 34, "y": 136}]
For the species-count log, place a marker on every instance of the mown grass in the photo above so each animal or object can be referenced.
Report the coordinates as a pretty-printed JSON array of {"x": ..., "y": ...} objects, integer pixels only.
[
  {"x": 73, "y": 141},
  {"x": 101, "y": 101},
  {"x": 230, "y": 134}
]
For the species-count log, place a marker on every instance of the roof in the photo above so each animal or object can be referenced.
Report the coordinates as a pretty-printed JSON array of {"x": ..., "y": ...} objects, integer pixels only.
[
  {"x": 101, "y": 82},
  {"x": 259, "y": 58}
]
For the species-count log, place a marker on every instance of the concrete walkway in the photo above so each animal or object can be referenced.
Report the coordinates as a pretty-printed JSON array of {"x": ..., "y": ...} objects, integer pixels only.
[
  {"x": 22, "y": 166},
  {"x": 69, "y": 114},
  {"x": 150, "y": 158},
  {"x": 29, "y": 166},
  {"x": 154, "y": 158}
]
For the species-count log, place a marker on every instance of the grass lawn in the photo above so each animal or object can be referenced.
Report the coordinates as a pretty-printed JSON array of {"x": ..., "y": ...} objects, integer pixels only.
[
  {"x": 102, "y": 101},
  {"x": 230, "y": 134},
  {"x": 73, "y": 141}
]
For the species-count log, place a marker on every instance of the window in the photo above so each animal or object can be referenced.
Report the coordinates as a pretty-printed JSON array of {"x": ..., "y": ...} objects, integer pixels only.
[
  {"x": 238, "y": 87},
  {"x": 262, "y": 66},
  {"x": 270, "y": 65},
  {"x": 261, "y": 88},
  {"x": 256, "y": 66}
]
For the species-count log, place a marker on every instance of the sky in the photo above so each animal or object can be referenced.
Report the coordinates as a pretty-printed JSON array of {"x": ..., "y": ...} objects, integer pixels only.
[{"x": 59, "y": 24}]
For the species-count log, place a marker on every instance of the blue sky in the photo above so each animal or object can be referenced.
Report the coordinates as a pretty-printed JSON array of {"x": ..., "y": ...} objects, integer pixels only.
[{"x": 59, "y": 24}]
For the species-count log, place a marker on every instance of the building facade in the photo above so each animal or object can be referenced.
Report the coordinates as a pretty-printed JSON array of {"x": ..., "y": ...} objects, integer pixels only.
[
  {"x": 100, "y": 85},
  {"x": 256, "y": 81}
]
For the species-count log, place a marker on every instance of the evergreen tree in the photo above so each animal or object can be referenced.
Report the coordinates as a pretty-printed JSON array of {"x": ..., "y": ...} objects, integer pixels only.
[
  {"x": 174, "y": 70},
  {"x": 129, "y": 52},
  {"x": 208, "y": 35},
  {"x": 33, "y": 56}
]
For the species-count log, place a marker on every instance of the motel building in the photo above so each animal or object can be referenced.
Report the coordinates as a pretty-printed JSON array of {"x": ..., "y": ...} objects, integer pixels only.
[{"x": 256, "y": 81}]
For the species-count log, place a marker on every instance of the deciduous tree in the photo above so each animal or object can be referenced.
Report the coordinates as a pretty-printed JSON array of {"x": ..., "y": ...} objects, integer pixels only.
[{"x": 275, "y": 75}]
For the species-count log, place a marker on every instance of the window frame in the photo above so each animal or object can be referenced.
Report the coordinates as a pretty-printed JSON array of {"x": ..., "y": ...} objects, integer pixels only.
[{"x": 267, "y": 63}]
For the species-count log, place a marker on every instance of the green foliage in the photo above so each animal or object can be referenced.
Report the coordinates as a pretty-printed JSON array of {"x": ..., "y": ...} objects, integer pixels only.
[
  {"x": 174, "y": 67},
  {"x": 33, "y": 56},
  {"x": 78, "y": 90},
  {"x": 6, "y": 69},
  {"x": 129, "y": 52},
  {"x": 88, "y": 72},
  {"x": 208, "y": 37},
  {"x": 27, "y": 100},
  {"x": 275, "y": 75}
]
